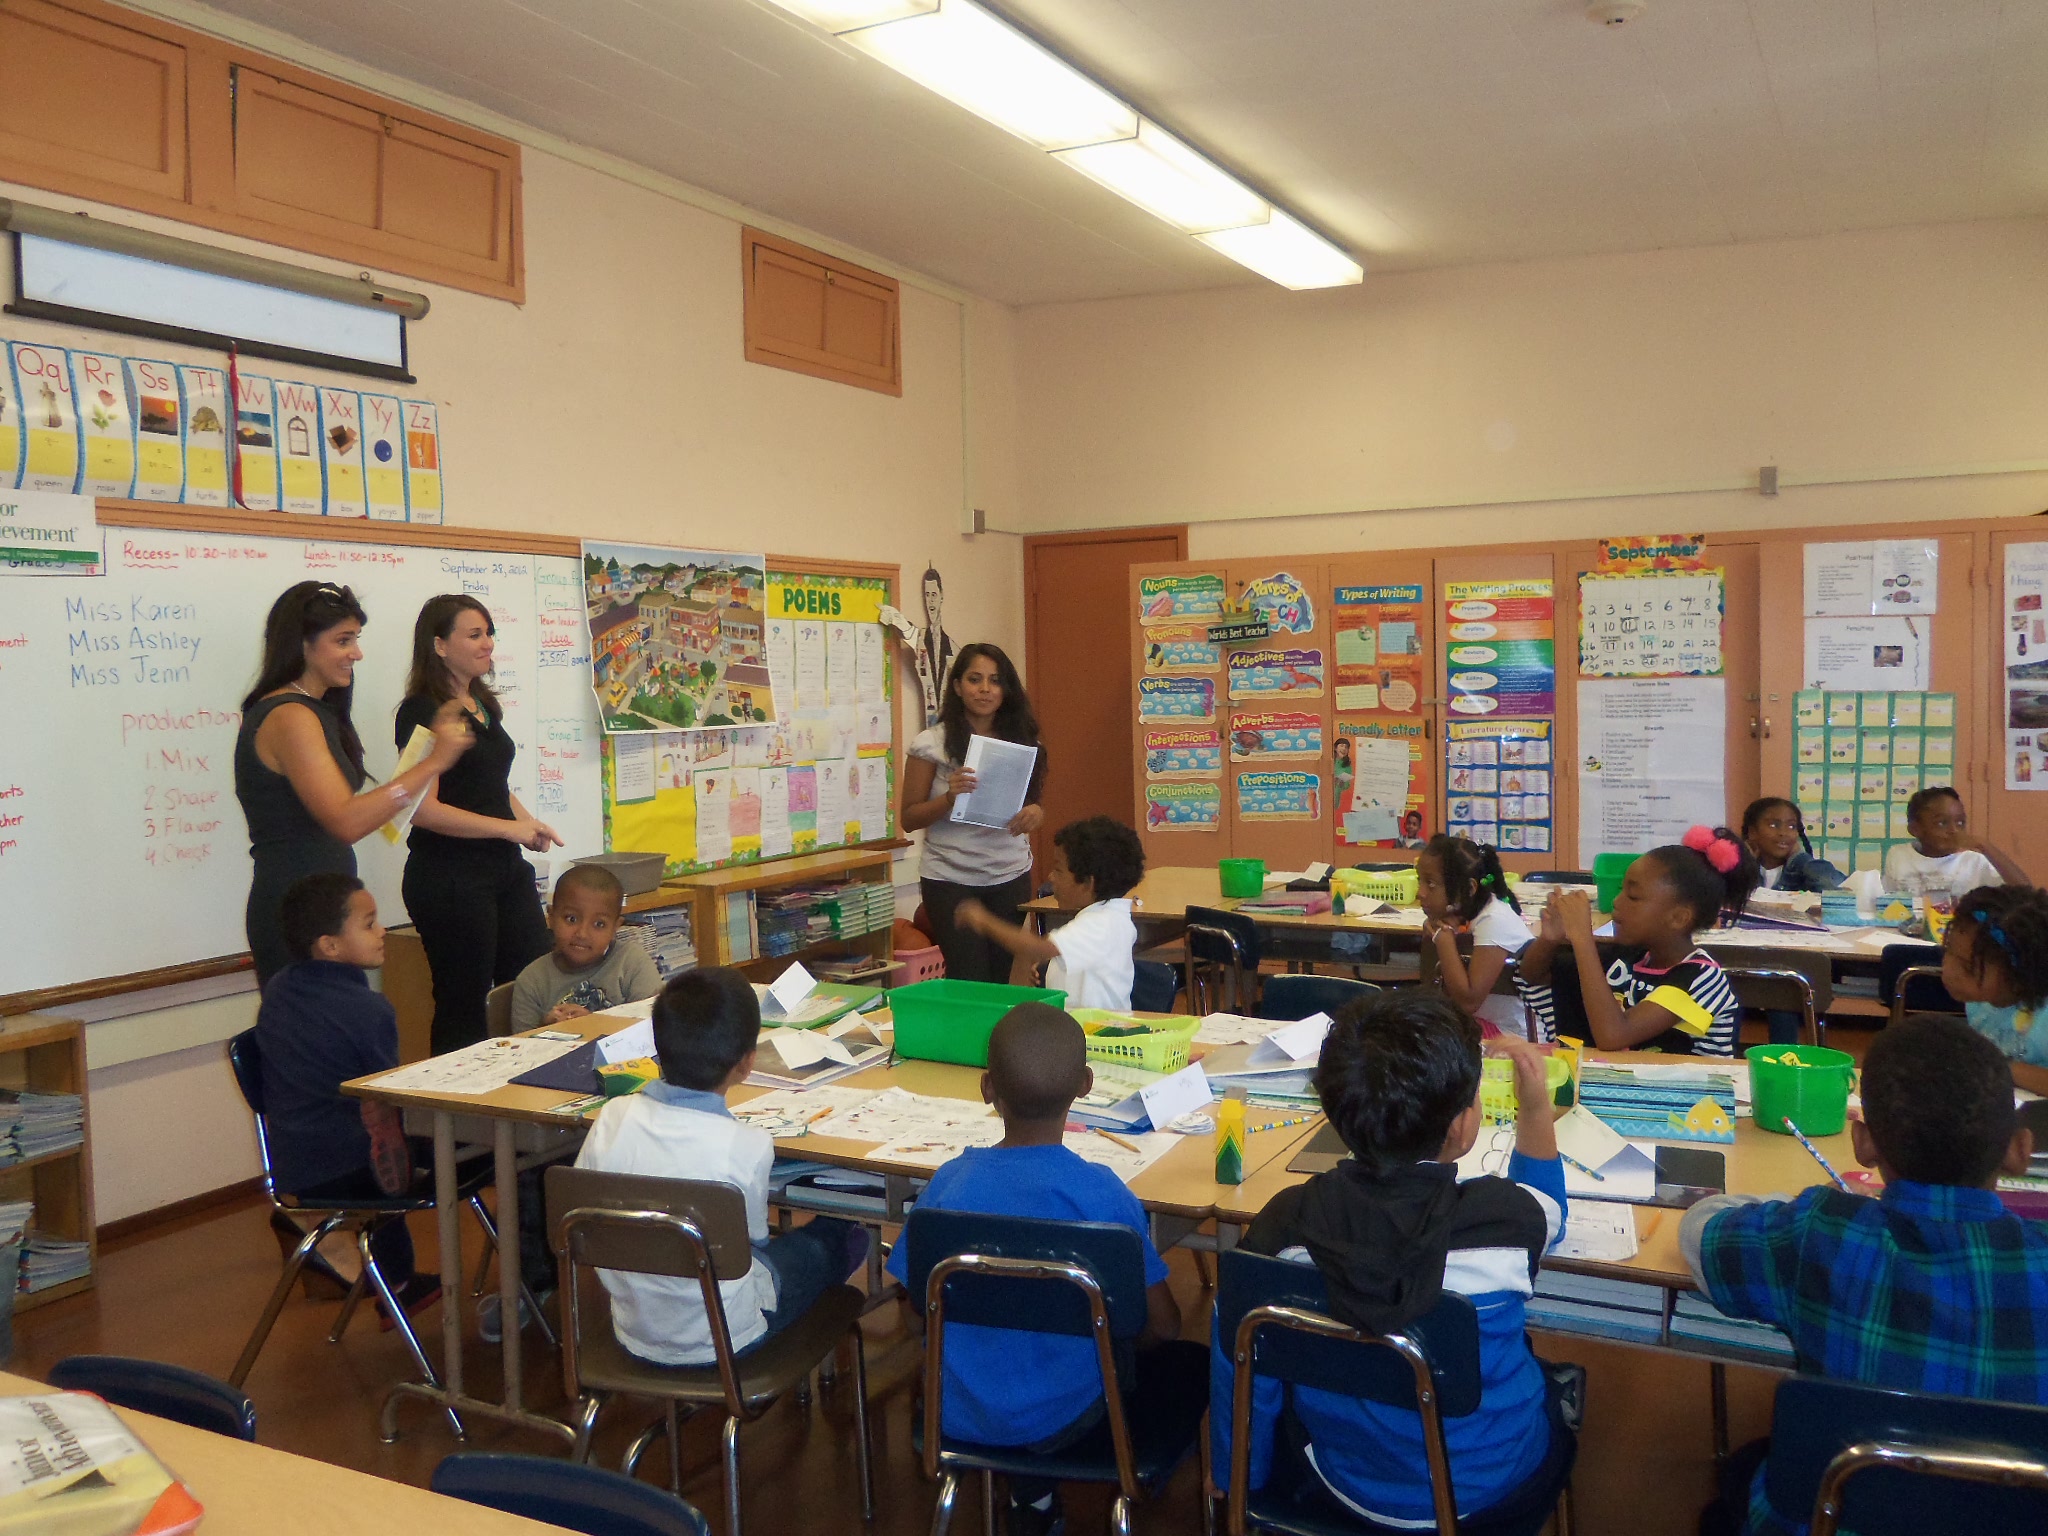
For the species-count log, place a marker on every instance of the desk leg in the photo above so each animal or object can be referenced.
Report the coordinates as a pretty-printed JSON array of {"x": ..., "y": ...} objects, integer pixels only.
[
  {"x": 448, "y": 1222},
  {"x": 507, "y": 1159}
]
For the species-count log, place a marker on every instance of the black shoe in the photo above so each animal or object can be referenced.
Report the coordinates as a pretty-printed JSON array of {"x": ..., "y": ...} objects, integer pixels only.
[{"x": 1048, "y": 1519}]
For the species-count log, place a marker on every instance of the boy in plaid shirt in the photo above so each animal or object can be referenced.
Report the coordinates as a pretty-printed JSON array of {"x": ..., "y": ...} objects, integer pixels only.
[{"x": 1931, "y": 1287}]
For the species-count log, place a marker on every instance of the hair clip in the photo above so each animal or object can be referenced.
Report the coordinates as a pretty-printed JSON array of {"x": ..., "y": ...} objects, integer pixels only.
[{"x": 1698, "y": 839}]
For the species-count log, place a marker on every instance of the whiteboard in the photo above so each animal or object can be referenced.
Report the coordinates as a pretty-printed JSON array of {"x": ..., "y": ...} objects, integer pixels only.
[{"x": 122, "y": 846}]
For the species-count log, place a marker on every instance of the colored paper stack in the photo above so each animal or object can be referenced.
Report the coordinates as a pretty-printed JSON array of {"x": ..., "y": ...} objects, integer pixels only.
[{"x": 666, "y": 936}]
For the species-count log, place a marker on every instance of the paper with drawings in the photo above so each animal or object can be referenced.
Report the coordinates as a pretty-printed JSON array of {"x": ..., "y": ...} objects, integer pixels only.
[
  {"x": 1597, "y": 1231},
  {"x": 1002, "y": 778},
  {"x": 1233, "y": 1029},
  {"x": 869, "y": 650},
  {"x": 931, "y": 1149},
  {"x": 897, "y": 1113},
  {"x": 788, "y": 1112},
  {"x": 484, "y": 1067},
  {"x": 841, "y": 662},
  {"x": 1121, "y": 1160}
]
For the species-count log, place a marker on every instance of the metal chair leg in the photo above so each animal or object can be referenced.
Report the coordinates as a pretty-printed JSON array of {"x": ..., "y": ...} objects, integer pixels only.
[
  {"x": 942, "y": 1511},
  {"x": 675, "y": 1449},
  {"x": 483, "y": 1263},
  {"x": 401, "y": 1322},
  {"x": 637, "y": 1448},
  {"x": 863, "y": 1448},
  {"x": 275, "y": 1305},
  {"x": 988, "y": 1502},
  {"x": 1717, "y": 1388},
  {"x": 349, "y": 1304},
  {"x": 585, "y": 1424},
  {"x": 732, "y": 1476},
  {"x": 1120, "y": 1516},
  {"x": 1203, "y": 1270}
]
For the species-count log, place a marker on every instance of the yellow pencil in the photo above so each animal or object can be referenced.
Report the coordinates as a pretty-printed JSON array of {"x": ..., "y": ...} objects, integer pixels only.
[{"x": 1128, "y": 1146}]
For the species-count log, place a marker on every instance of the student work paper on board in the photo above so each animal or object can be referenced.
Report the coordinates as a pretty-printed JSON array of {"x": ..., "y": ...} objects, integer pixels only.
[{"x": 1002, "y": 774}]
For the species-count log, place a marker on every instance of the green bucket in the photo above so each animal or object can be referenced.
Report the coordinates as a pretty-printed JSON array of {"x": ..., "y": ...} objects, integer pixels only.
[
  {"x": 1241, "y": 877},
  {"x": 948, "y": 1020},
  {"x": 1811, "y": 1090},
  {"x": 1609, "y": 870}
]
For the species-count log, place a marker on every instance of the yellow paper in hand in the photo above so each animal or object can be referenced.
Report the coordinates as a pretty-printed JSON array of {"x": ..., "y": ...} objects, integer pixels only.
[{"x": 415, "y": 753}]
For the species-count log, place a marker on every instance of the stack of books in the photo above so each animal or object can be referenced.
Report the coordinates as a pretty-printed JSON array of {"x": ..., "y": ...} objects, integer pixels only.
[
  {"x": 1591, "y": 1304},
  {"x": 50, "y": 1261},
  {"x": 1695, "y": 1318},
  {"x": 37, "y": 1124},
  {"x": 801, "y": 916},
  {"x": 665, "y": 934}
]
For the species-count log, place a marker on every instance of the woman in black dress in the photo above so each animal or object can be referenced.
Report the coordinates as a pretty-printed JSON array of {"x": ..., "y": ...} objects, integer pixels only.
[
  {"x": 469, "y": 893},
  {"x": 299, "y": 763}
]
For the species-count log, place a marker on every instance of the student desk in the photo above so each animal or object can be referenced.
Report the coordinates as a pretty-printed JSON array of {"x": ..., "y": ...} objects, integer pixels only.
[
  {"x": 1180, "y": 1190},
  {"x": 1160, "y": 902},
  {"x": 251, "y": 1490}
]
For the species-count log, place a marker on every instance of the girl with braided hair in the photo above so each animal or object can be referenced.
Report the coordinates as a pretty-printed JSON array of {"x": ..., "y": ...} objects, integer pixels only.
[
  {"x": 1463, "y": 890},
  {"x": 1995, "y": 963}
]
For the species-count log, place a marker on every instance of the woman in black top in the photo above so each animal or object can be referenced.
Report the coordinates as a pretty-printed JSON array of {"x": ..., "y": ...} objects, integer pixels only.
[
  {"x": 299, "y": 763},
  {"x": 469, "y": 893}
]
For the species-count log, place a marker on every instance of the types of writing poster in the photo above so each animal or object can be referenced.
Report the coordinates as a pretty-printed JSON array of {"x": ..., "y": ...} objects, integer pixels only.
[
  {"x": 1276, "y": 674},
  {"x": 1858, "y": 759},
  {"x": 49, "y": 417},
  {"x": 1500, "y": 643},
  {"x": 1183, "y": 807},
  {"x": 159, "y": 431},
  {"x": 1189, "y": 752},
  {"x": 2026, "y": 666},
  {"x": 677, "y": 637},
  {"x": 1872, "y": 576},
  {"x": 1275, "y": 735},
  {"x": 106, "y": 428},
  {"x": 1279, "y": 796},
  {"x": 1382, "y": 783},
  {"x": 1866, "y": 655},
  {"x": 256, "y": 442},
  {"x": 1181, "y": 648},
  {"x": 1498, "y": 786},
  {"x": 1379, "y": 647},
  {"x": 1180, "y": 599},
  {"x": 204, "y": 418},
  {"x": 1285, "y": 601},
  {"x": 1650, "y": 761},
  {"x": 1171, "y": 699},
  {"x": 1651, "y": 626}
]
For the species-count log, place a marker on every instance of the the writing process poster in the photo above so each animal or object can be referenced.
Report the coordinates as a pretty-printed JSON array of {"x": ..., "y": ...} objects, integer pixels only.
[
  {"x": 678, "y": 637},
  {"x": 1500, "y": 644}
]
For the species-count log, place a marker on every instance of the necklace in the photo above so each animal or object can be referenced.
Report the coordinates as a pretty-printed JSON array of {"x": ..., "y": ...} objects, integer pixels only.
[{"x": 295, "y": 688}]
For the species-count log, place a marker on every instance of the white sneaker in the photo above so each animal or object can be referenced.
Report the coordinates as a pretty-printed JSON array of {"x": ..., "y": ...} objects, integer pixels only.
[{"x": 490, "y": 1325}]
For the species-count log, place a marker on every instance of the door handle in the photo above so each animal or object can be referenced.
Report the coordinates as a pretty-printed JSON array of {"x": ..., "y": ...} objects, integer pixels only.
[{"x": 1760, "y": 727}]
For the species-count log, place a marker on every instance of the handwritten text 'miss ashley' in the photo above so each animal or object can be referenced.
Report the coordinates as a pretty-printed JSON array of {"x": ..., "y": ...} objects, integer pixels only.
[{"x": 141, "y": 641}]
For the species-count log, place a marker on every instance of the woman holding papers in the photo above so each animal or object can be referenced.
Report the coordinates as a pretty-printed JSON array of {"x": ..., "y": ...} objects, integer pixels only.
[
  {"x": 299, "y": 762},
  {"x": 978, "y": 851},
  {"x": 468, "y": 891}
]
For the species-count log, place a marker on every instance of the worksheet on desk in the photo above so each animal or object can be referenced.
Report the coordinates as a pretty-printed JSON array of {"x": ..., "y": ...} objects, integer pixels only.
[
  {"x": 897, "y": 1114},
  {"x": 482, "y": 1068}
]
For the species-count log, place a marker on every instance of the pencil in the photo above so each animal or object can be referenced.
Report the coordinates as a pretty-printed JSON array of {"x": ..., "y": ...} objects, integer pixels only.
[
  {"x": 1814, "y": 1152},
  {"x": 1275, "y": 1125},
  {"x": 1128, "y": 1146},
  {"x": 1591, "y": 1173}
]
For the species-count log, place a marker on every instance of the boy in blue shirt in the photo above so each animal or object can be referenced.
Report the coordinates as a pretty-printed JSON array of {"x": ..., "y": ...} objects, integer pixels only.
[
  {"x": 1391, "y": 1229},
  {"x": 1044, "y": 1391}
]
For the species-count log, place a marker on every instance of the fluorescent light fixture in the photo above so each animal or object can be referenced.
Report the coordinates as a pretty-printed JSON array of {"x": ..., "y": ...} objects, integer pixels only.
[
  {"x": 1287, "y": 251},
  {"x": 979, "y": 62},
  {"x": 845, "y": 15},
  {"x": 1166, "y": 178}
]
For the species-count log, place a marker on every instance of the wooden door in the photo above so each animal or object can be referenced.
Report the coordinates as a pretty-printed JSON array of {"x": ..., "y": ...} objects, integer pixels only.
[
  {"x": 1383, "y": 690},
  {"x": 1076, "y": 587},
  {"x": 1276, "y": 697},
  {"x": 2012, "y": 763}
]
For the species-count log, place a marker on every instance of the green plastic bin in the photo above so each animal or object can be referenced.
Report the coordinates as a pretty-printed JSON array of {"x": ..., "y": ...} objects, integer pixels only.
[
  {"x": 1814, "y": 1095},
  {"x": 947, "y": 1020},
  {"x": 1241, "y": 877},
  {"x": 1609, "y": 870}
]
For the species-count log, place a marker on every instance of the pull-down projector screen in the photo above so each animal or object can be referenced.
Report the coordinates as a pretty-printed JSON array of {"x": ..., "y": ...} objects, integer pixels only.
[{"x": 111, "y": 290}]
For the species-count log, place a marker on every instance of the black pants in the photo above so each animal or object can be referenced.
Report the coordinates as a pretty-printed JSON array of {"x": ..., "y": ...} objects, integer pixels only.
[
  {"x": 969, "y": 956},
  {"x": 479, "y": 921},
  {"x": 1170, "y": 1382},
  {"x": 390, "y": 1244}
]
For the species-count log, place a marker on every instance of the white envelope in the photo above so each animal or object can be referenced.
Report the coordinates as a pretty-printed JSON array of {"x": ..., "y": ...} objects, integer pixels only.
[{"x": 629, "y": 1044}]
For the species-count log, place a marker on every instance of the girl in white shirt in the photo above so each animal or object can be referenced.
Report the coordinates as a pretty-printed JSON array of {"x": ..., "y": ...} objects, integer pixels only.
[
  {"x": 1095, "y": 862},
  {"x": 1463, "y": 889}
]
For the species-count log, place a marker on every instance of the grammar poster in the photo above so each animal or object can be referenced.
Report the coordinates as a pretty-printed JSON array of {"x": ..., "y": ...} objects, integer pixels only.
[{"x": 678, "y": 638}]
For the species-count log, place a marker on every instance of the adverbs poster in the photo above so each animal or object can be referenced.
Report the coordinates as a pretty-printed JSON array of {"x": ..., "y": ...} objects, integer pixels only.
[
  {"x": 677, "y": 637},
  {"x": 1176, "y": 698},
  {"x": 1651, "y": 754},
  {"x": 49, "y": 417},
  {"x": 159, "y": 431},
  {"x": 1181, "y": 648},
  {"x": 1267, "y": 674},
  {"x": 1275, "y": 735},
  {"x": 1857, "y": 760},
  {"x": 1382, "y": 783},
  {"x": 1279, "y": 796},
  {"x": 2026, "y": 666},
  {"x": 1180, "y": 599},
  {"x": 1285, "y": 602},
  {"x": 106, "y": 429},
  {"x": 1183, "y": 807},
  {"x": 1379, "y": 647},
  {"x": 1498, "y": 786},
  {"x": 1500, "y": 644},
  {"x": 1195, "y": 752},
  {"x": 1650, "y": 626}
]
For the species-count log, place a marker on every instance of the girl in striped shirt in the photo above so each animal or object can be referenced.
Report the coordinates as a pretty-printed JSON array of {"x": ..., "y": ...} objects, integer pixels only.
[{"x": 1672, "y": 996}]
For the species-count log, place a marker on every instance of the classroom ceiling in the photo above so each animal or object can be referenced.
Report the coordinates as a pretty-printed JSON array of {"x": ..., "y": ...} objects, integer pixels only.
[{"x": 1420, "y": 133}]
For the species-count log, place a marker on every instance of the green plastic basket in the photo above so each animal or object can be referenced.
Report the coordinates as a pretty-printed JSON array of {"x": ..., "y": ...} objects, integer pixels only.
[
  {"x": 1241, "y": 877},
  {"x": 1609, "y": 870},
  {"x": 947, "y": 1020},
  {"x": 1164, "y": 1047},
  {"x": 1811, "y": 1090}
]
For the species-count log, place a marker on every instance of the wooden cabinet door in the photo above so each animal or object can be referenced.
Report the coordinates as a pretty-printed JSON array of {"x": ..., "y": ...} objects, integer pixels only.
[
  {"x": 1266, "y": 730},
  {"x": 89, "y": 106},
  {"x": 2012, "y": 763}
]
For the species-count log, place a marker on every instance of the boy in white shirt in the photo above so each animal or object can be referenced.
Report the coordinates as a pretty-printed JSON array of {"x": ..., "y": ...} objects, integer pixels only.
[
  {"x": 1094, "y": 863},
  {"x": 1943, "y": 856},
  {"x": 706, "y": 1024}
]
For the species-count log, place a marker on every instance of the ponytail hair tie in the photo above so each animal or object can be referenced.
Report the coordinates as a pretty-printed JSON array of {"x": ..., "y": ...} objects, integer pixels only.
[{"x": 1719, "y": 849}]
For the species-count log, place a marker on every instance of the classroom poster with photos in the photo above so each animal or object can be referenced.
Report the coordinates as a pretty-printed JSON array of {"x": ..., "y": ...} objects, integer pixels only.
[
  {"x": 1381, "y": 778},
  {"x": 1500, "y": 782},
  {"x": 1661, "y": 625},
  {"x": 1858, "y": 757},
  {"x": 1379, "y": 647},
  {"x": 2026, "y": 666}
]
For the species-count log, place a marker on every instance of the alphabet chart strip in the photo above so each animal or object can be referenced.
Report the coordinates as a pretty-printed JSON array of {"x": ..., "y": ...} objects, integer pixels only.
[{"x": 1650, "y": 626}]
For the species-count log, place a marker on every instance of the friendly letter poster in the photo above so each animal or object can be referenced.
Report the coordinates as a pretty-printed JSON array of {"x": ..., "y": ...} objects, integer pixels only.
[
  {"x": 1180, "y": 599},
  {"x": 1499, "y": 787},
  {"x": 1290, "y": 796},
  {"x": 256, "y": 441},
  {"x": 159, "y": 431},
  {"x": 1500, "y": 643},
  {"x": 1276, "y": 674},
  {"x": 1194, "y": 752},
  {"x": 676, "y": 638},
  {"x": 1275, "y": 735},
  {"x": 1381, "y": 783},
  {"x": 1379, "y": 647},
  {"x": 42, "y": 383},
  {"x": 1650, "y": 626},
  {"x": 1190, "y": 807},
  {"x": 2026, "y": 666},
  {"x": 203, "y": 404}
]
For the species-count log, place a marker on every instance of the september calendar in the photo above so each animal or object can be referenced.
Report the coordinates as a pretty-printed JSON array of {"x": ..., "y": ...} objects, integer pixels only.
[{"x": 1650, "y": 626}]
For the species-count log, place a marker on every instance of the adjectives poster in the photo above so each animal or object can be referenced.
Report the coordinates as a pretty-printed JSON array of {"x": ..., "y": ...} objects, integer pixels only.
[
  {"x": 1382, "y": 784},
  {"x": 1379, "y": 647},
  {"x": 1498, "y": 784},
  {"x": 1500, "y": 643},
  {"x": 2026, "y": 666}
]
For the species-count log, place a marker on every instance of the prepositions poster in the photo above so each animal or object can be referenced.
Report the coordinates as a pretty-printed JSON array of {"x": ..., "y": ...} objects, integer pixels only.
[
  {"x": 2026, "y": 666},
  {"x": 1650, "y": 626},
  {"x": 678, "y": 637},
  {"x": 1498, "y": 783},
  {"x": 1185, "y": 807},
  {"x": 1381, "y": 783},
  {"x": 1651, "y": 752},
  {"x": 1279, "y": 796},
  {"x": 1379, "y": 647},
  {"x": 1500, "y": 643}
]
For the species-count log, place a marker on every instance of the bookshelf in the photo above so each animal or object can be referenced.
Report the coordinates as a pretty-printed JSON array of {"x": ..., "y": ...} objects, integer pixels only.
[
  {"x": 46, "y": 1054},
  {"x": 707, "y": 893}
]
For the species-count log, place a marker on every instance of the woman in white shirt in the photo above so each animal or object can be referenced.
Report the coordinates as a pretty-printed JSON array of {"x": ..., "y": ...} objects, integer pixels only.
[{"x": 991, "y": 865}]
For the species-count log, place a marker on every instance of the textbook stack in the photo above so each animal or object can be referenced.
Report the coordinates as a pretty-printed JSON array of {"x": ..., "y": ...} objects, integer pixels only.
[
  {"x": 1589, "y": 1304},
  {"x": 802, "y": 916},
  {"x": 1698, "y": 1320},
  {"x": 37, "y": 1124},
  {"x": 52, "y": 1261},
  {"x": 666, "y": 936}
]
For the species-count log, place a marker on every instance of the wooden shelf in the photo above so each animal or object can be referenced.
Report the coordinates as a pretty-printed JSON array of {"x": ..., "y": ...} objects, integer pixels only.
[
  {"x": 790, "y": 871},
  {"x": 41, "y": 1159},
  {"x": 42, "y": 1053},
  {"x": 845, "y": 947},
  {"x": 28, "y": 1301}
]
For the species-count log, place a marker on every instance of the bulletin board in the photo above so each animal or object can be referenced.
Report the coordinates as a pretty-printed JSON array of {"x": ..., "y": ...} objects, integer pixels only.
[
  {"x": 821, "y": 776},
  {"x": 1858, "y": 757}
]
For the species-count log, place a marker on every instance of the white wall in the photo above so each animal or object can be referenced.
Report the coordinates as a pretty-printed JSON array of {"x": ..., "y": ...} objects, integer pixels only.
[{"x": 614, "y": 402}]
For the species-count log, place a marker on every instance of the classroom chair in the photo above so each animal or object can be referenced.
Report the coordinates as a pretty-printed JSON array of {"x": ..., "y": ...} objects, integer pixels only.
[
  {"x": 695, "y": 1230},
  {"x": 1298, "y": 996},
  {"x": 1154, "y": 985},
  {"x": 1081, "y": 1278},
  {"x": 168, "y": 1391},
  {"x": 1555, "y": 877},
  {"x": 1275, "y": 1315},
  {"x": 1905, "y": 1463},
  {"x": 1909, "y": 981},
  {"x": 498, "y": 1010},
  {"x": 1221, "y": 969},
  {"x": 566, "y": 1493},
  {"x": 360, "y": 1216},
  {"x": 1782, "y": 981}
]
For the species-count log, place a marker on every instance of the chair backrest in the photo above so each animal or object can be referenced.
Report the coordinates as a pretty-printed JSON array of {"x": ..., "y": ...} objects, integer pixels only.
[
  {"x": 1296, "y": 997},
  {"x": 1113, "y": 1254},
  {"x": 1448, "y": 1334},
  {"x": 1154, "y": 985},
  {"x": 1769, "y": 989},
  {"x": 1923, "y": 994},
  {"x": 498, "y": 1010},
  {"x": 1940, "y": 1473},
  {"x": 644, "y": 1225},
  {"x": 566, "y": 1493},
  {"x": 168, "y": 1391},
  {"x": 1558, "y": 877},
  {"x": 245, "y": 1057},
  {"x": 1227, "y": 938},
  {"x": 1818, "y": 972}
]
